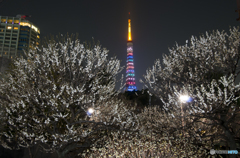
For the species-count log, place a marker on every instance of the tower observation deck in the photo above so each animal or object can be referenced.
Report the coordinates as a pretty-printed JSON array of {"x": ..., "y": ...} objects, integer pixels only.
[{"x": 130, "y": 73}]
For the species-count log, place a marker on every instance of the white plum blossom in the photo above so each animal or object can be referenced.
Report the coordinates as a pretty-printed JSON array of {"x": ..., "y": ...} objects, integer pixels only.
[
  {"x": 206, "y": 69},
  {"x": 47, "y": 93}
]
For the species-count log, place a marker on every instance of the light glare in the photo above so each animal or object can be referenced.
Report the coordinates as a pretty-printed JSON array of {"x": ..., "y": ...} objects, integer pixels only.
[
  {"x": 184, "y": 98},
  {"x": 90, "y": 110}
]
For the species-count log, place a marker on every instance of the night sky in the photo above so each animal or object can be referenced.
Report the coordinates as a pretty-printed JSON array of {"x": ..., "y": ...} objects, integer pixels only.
[{"x": 156, "y": 24}]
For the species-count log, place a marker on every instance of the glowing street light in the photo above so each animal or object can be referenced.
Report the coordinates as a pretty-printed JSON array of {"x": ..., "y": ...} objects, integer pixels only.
[
  {"x": 184, "y": 98},
  {"x": 90, "y": 111}
]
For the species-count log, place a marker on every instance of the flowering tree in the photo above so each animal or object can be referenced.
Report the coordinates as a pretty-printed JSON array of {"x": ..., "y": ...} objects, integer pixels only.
[
  {"x": 206, "y": 70},
  {"x": 155, "y": 138},
  {"x": 46, "y": 97}
]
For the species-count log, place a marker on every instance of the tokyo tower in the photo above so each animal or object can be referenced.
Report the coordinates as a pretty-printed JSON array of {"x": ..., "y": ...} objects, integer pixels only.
[{"x": 130, "y": 77}]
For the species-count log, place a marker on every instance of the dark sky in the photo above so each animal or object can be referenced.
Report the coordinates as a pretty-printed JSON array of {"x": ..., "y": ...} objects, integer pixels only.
[{"x": 156, "y": 24}]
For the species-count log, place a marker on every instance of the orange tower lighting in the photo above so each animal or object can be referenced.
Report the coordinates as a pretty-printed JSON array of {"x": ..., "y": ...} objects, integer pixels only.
[{"x": 129, "y": 29}]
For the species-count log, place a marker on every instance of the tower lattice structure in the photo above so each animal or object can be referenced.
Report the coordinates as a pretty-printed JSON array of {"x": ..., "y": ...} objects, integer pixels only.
[{"x": 130, "y": 77}]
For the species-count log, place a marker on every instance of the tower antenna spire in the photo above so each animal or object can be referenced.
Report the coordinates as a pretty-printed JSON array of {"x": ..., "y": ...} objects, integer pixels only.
[{"x": 129, "y": 29}]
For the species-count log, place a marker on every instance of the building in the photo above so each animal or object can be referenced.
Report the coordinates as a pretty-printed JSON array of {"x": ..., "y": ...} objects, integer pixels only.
[
  {"x": 130, "y": 77},
  {"x": 17, "y": 34}
]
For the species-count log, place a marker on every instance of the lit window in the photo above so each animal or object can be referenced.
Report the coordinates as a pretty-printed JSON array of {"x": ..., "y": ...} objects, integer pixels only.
[
  {"x": 15, "y": 28},
  {"x": 9, "y": 27},
  {"x": 16, "y": 21},
  {"x": 25, "y": 24},
  {"x": 10, "y": 20},
  {"x": 38, "y": 36},
  {"x": 3, "y": 20},
  {"x": 5, "y": 53},
  {"x": 35, "y": 28}
]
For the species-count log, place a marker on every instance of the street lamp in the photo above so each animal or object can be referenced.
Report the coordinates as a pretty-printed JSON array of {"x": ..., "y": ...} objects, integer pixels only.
[
  {"x": 90, "y": 111},
  {"x": 183, "y": 99}
]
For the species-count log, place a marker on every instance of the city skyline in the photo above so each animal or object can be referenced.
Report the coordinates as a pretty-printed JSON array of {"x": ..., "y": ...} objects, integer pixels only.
[{"x": 158, "y": 25}]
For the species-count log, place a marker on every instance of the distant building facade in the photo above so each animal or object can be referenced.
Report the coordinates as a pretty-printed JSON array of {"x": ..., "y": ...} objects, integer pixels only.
[{"x": 17, "y": 34}]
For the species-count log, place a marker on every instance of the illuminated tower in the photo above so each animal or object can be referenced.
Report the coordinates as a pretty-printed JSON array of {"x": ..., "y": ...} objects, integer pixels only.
[{"x": 130, "y": 77}]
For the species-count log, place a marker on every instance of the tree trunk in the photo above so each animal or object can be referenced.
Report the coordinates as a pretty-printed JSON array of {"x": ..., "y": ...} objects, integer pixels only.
[
  {"x": 230, "y": 138},
  {"x": 231, "y": 142},
  {"x": 65, "y": 151},
  {"x": 60, "y": 154},
  {"x": 30, "y": 153}
]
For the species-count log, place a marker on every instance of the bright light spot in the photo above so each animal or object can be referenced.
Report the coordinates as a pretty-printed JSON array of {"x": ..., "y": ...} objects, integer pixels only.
[
  {"x": 90, "y": 110},
  {"x": 184, "y": 98}
]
